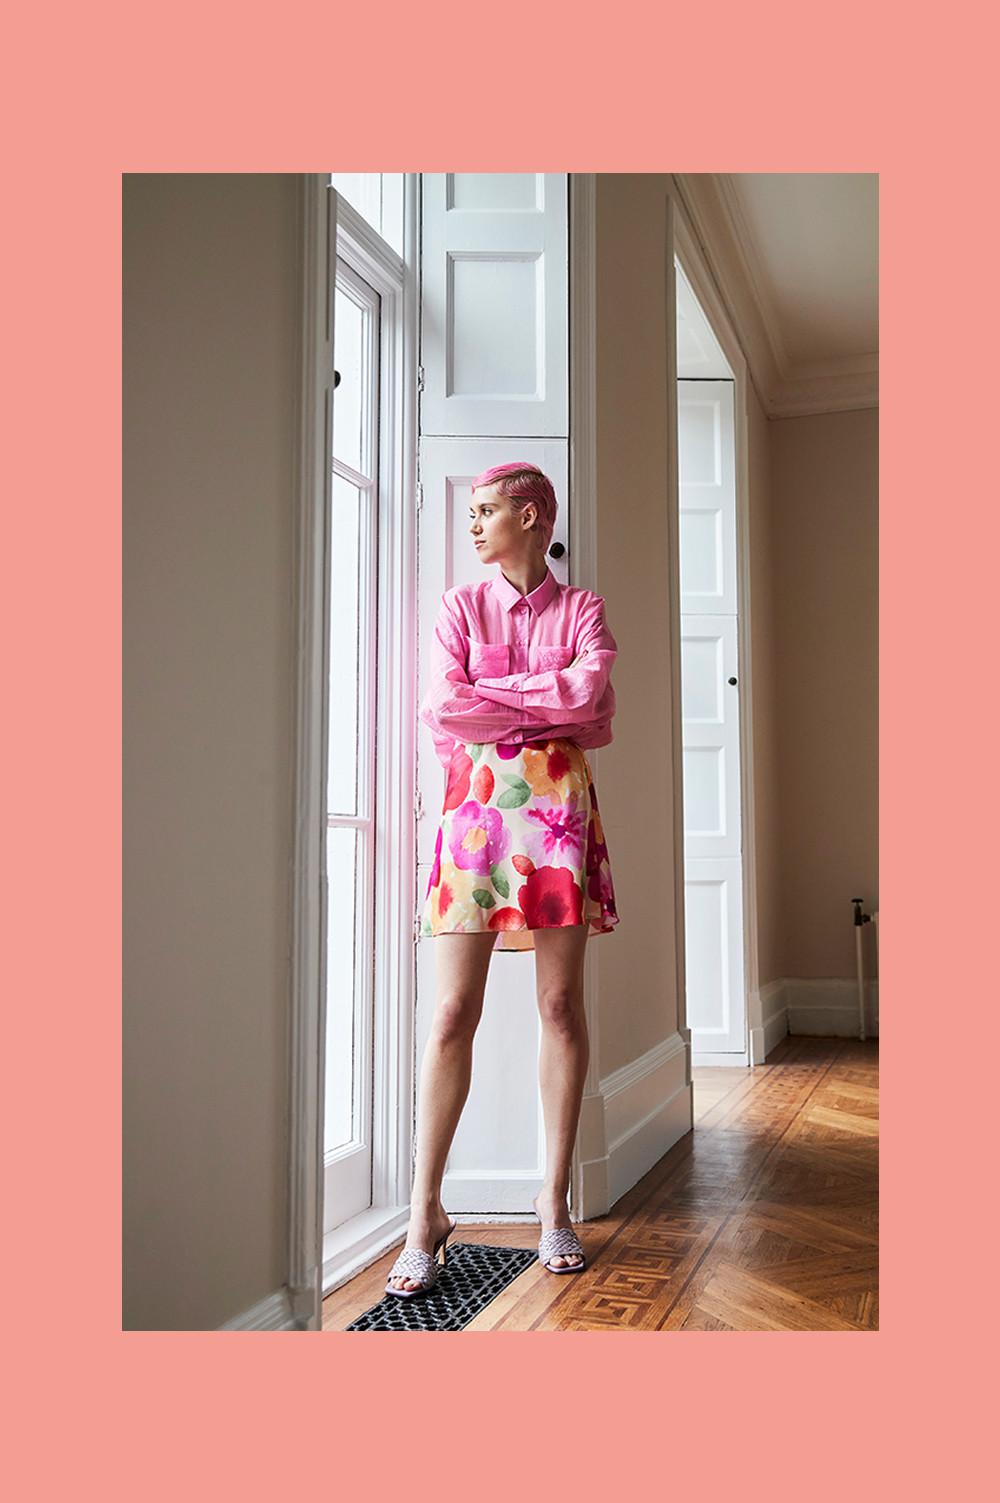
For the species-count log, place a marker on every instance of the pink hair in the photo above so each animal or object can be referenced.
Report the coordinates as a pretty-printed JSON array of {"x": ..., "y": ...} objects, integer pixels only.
[{"x": 522, "y": 482}]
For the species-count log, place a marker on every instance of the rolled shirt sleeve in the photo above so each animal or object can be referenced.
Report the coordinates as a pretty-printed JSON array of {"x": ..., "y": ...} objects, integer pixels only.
[{"x": 453, "y": 708}]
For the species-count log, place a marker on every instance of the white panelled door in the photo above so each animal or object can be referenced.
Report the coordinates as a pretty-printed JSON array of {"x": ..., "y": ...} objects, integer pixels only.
[
  {"x": 494, "y": 337},
  {"x": 494, "y": 298},
  {"x": 713, "y": 870}
]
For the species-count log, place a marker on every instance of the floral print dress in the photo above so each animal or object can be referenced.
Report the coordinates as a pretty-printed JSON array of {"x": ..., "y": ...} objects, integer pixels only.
[{"x": 520, "y": 845}]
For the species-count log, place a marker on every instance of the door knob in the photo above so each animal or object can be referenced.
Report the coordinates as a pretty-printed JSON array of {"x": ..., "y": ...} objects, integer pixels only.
[
  {"x": 731, "y": 681},
  {"x": 557, "y": 550}
]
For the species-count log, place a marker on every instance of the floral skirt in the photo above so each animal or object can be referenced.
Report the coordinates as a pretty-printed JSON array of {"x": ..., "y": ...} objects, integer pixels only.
[{"x": 520, "y": 845}]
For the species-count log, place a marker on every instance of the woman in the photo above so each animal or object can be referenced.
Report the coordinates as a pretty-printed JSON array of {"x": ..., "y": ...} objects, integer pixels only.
[{"x": 519, "y": 687}]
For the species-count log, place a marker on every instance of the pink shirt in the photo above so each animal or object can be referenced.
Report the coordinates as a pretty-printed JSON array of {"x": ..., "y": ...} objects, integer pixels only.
[{"x": 511, "y": 667}]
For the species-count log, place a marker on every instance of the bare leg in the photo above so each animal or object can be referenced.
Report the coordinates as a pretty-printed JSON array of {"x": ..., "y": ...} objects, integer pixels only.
[
  {"x": 562, "y": 1067},
  {"x": 463, "y": 962}
]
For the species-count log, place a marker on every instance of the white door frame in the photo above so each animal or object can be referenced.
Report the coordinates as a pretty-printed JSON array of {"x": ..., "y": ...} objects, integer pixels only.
[{"x": 688, "y": 249}]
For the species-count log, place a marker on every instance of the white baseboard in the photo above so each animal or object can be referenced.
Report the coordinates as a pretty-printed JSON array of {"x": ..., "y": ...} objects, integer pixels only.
[
  {"x": 647, "y": 1109},
  {"x": 273, "y": 1313},
  {"x": 774, "y": 1021},
  {"x": 819, "y": 1009},
  {"x": 830, "y": 1008}
]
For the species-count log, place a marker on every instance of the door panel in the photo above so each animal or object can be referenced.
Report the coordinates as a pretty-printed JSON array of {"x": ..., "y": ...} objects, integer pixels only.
[{"x": 708, "y": 497}]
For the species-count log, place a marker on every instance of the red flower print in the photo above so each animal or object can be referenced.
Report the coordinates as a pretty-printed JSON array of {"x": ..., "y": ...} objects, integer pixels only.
[
  {"x": 523, "y": 864},
  {"x": 551, "y": 899},
  {"x": 482, "y": 784},
  {"x": 506, "y": 918},
  {"x": 559, "y": 763},
  {"x": 597, "y": 852},
  {"x": 459, "y": 770},
  {"x": 444, "y": 899}
]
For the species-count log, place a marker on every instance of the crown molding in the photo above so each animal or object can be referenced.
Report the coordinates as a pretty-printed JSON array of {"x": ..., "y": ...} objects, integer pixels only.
[{"x": 787, "y": 388}]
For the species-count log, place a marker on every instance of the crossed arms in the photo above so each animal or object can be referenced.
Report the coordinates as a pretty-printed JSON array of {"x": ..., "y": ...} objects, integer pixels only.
[{"x": 577, "y": 700}]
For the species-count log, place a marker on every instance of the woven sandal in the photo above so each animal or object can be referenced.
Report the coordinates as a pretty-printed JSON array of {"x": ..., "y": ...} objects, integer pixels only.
[
  {"x": 560, "y": 1242},
  {"x": 414, "y": 1263}
]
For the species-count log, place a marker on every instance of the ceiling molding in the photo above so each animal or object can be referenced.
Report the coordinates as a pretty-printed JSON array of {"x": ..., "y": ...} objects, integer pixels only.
[{"x": 788, "y": 388}]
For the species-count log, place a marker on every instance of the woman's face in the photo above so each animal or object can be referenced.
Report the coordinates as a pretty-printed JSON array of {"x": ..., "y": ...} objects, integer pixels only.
[{"x": 499, "y": 534}]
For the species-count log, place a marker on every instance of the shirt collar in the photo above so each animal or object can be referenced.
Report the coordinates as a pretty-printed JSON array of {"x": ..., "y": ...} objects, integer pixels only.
[{"x": 538, "y": 599}]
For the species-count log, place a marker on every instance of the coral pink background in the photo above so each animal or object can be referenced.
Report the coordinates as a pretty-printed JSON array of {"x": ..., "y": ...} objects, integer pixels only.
[{"x": 98, "y": 91}]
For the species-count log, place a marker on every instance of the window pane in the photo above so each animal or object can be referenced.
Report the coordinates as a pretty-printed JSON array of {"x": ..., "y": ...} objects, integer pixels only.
[
  {"x": 363, "y": 191},
  {"x": 348, "y": 398},
  {"x": 341, "y": 1041},
  {"x": 345, "y": 647},
  {"x": 378, "y": 198}
]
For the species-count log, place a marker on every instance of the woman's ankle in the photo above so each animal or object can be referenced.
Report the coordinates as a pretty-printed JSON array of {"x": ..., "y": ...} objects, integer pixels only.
[{"x": 426, "y": 1205}]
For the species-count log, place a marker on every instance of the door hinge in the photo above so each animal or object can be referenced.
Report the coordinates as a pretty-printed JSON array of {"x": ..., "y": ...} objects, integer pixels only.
[
  {"x": 420, "y": 495},
  {"x": 419, "y": 805},
  {"x": 420, "y": 378}
]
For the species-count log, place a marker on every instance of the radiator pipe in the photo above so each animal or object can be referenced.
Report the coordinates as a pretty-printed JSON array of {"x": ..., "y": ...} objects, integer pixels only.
[{"x": 860, "y": 919}]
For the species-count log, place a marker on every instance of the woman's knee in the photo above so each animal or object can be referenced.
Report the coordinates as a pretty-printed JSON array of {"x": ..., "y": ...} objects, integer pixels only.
[
  {"x": 457, "y": 1016},
  {"x": 561, "y": 1008}
]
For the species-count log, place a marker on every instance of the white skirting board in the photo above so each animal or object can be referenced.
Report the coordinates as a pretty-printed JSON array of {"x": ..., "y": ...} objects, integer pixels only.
[
  {"x": 641, "y": 1111},
  {"x": 272, "y": 1313},
  {"x": 821, "y": 1009}
]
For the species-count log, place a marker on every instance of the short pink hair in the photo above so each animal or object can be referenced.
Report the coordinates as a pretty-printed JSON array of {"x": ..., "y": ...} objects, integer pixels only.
[{"x": 522, "y": 482}]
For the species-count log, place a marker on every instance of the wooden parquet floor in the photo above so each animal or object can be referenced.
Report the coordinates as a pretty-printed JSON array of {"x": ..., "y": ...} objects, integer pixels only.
[{"x": 764, "y": 1218}]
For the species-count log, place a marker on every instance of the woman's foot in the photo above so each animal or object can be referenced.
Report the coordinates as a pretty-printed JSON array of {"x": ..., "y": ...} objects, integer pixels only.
[
  {"x": 426, "y": 1227},
  {"x": 553, "y": 1211}
]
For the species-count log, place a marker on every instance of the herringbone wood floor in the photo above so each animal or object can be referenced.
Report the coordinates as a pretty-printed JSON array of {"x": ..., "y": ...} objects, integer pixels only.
[{"x": 764, "y": 1218}]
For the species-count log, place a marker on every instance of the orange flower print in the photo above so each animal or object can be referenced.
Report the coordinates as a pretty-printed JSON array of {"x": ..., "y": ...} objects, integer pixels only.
[{"x": 545, "y": 772}]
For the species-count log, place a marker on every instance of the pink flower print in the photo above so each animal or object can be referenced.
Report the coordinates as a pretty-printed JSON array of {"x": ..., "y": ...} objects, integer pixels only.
[
  {"x": 559, "y": 831},
  {"x": 478, "y": 838},
  {"x": 435, "y": 875}
]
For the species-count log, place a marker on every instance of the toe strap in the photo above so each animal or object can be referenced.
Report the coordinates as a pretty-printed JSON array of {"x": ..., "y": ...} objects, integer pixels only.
[
  {"x": 559, "y": 1242},
  {"x": 414, "y": 1263}
]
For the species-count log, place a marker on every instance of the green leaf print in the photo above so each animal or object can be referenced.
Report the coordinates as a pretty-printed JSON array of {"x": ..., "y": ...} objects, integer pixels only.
[
  {"x": 427, "y": 927},
  {"x": 500, "y": 881},
  {"x": 484, "y": 899},
  {"x": 475, "y": 749},
  {"x": 514, "y": 797}
]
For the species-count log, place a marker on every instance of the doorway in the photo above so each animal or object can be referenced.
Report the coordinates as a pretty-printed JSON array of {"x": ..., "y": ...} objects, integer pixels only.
[{"x": 712, "y": 652}]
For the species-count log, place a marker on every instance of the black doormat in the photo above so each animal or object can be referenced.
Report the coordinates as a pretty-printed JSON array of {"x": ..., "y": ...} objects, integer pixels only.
[{"x": 473, "y": 1275}]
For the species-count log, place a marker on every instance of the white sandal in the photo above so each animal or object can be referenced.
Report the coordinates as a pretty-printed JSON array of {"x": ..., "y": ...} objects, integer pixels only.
[
  {"x": 414, "y": 1263},
  {"x": 560, "y": 1242}
]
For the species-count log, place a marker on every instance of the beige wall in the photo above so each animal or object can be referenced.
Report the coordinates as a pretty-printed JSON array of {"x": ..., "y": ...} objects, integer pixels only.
[
  {"x": 824, "y": 476},
  {"x": 637, "y": 969},
  {"x": 209, "y": 381},
  {"x": 766, "y": 721}
]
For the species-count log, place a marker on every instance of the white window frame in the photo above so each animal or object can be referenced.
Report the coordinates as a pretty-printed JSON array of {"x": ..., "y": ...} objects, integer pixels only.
[{"x": 317, "y": 1264}]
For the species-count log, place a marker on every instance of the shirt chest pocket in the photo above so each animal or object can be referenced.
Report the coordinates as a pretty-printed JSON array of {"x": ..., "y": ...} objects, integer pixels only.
[
  {"x": 488, "y": 660},
  {"x": 548, "y": 659}
]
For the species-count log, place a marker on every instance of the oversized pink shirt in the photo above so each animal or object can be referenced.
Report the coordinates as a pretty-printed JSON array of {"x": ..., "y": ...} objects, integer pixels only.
[{"x": 511, "y": 667}]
